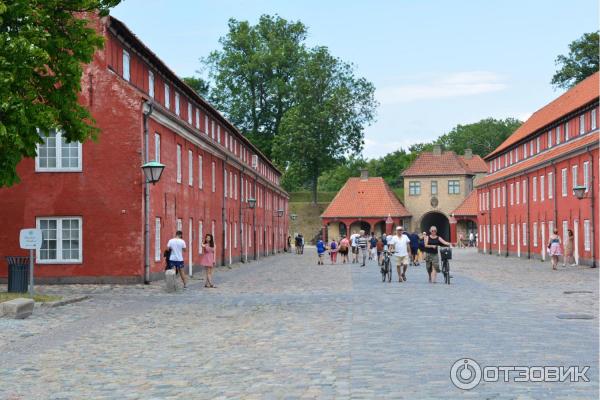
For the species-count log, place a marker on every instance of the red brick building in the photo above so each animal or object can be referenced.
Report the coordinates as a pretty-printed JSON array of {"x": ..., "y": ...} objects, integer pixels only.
[
  {"x": 89, "y": 198},
  {"x": 529, "y": 188},
  {"x": 363, "y": 203}
]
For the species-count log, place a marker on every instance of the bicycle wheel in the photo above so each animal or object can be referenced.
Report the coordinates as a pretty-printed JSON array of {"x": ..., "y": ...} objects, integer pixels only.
[
  {"x": 388, "y": 266},
  {"x": 383, "y": 274}
]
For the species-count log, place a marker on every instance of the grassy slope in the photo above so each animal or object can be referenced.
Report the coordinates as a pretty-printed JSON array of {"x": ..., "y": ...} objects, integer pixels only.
[{"x": 308, "y": 221}]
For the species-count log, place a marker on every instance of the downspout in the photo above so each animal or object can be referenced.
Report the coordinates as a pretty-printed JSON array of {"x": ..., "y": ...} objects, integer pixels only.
[
  {"x": 505, "y": 230},
  {"x": 489, "y": 231},
  {"x": 255, "y": 248},
  {"x": 243, "y": 255},
  {"x": 146, "y": 196},
  {"x": 223, "y": 214},
  {"x": 593, "y": 198},
  {"x": 554, "y": 179},
  {"x": 528, "y": 221}
]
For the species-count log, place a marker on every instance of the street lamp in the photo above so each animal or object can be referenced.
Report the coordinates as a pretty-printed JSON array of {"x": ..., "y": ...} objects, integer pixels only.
[
  {"x": 251, "y": 203},
  {"x": 293, "y": 217},
  {"x": 279, "y": 213},
  {"x": 579, "y": 192},
  {"x": 152, "y": 171}
]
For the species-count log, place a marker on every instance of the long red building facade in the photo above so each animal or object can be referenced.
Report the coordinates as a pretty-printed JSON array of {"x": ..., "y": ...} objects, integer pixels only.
[
  {"x": 528, "y": 191},
  {"x": 88, "y": 199}
]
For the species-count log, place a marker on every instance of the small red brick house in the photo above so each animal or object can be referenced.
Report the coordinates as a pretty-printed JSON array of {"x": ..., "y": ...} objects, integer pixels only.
[
  {"x": 528, "y": 191},
  {"x": 363, "y": 203},
  {"x": 89, "y": 199}
]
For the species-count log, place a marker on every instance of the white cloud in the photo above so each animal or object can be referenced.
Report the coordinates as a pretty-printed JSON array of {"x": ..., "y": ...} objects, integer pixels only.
[{"x": 446, "y": 86}]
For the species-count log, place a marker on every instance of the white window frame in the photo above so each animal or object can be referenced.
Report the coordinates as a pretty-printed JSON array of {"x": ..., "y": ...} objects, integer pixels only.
[
  {"x": 549, "y": 139},
  {"x": 235, "y": 187},
  {"x": 189, "y": 113},
  {"x": 59, "y": 240},
  {"x": 587, "y": 244},
  {"x": 200, "y": 177},
  {"x": 535, "y": 234},
  {"x": 218, "y": 133},
  {"x": 524, "y": 190},
  {"x": 586, "y": 175},
  {"x": 582, "y": 124},
  {"x": 575, "y": 173},
  {"x": 235, "y": 237},
  {"x": 512, "y": 234},
  {"x": 504, "y": 234},
  {"x": 178, "y": 163},
  {"x": 190, "y": 168},
  {"x": 151, "y": 84},
  {"x": 504, "y": 196},
  {"x": 512, "y": 194},
  {"x": 564, "y": 183},
  {"x": 197, "y": 119},
  {"x": 542, "y": 187},
  {"x": 538, "y": 144},
  {"x": 558, "y": 135},
  {"x": 524, "y": 234},
  {"x": 59, "y": 149},
  {"x": 177, "y": 108},
  {"x": 157, "y": 246},
  {"x": 126, "y": 65},
  {"x": 593, "y": 117},
  {"x": 179, "y": 225},
  {"x": 225, "y": 184},
  {"x": 550, "y": 185},
  {"x": 200, "y": 237},
  {"x": 566, "y": 129},
  {"x": 213, "y": 174},
  {"x": 206, "y": 124},
  {"x": 167, "y": 96},
  {"x": 518, "y": 192},
  {"x": 156, "y": 146},
  {"x": 534, "y": 187},
  {"x": 531, "y": 147}
]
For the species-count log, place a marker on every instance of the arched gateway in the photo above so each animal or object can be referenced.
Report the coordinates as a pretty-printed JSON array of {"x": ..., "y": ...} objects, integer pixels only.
[{"x": 439, "y": 220}]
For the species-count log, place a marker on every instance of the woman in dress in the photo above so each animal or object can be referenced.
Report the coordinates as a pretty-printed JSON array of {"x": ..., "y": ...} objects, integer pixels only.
[
  {"x": 343, "y": 250},
  {"x": 569, "y": 259},
  {"x": 208, "y": 259},
  {"x": 554, "y": 248}
]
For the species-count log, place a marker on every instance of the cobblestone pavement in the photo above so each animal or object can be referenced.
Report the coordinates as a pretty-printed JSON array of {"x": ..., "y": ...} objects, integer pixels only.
[{"x": 285, "y": 328}]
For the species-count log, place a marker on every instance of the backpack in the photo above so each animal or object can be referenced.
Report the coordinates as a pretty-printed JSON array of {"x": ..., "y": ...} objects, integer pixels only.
[{"x": 333, "y": 246}]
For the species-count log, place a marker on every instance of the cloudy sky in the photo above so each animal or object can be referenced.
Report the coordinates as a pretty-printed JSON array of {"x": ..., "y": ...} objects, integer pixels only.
[{"x": 435, "y": 64}]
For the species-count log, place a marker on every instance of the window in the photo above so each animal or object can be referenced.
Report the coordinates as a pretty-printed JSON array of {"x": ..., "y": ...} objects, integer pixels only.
[
  {"x": 189, "y": 113},
  {"x": 225, "y": 241},
  {"x": 504, "y": 234},
  {"x": 157, "y": 248},
  {"x": 200, "y": 178},
  {"x": 524, "y": 150},
  {"x": 414, "y": 188},
  {"x": 177, "y": 110},
  {"x": 518, "y": 192},
  {"x": 557, "y": 134},
  {"x": 206, "y": 124},
  {"x": 453, "y": 187},
  {"x": 531, "y": 147},
  {"x": 197, "y": 119},
  {"x": 218, "y": 133},
  {"x": 179, "y": 224},
  {"x": 434, "y": 187},
  {"x": 235, "y": 235},
  {"x": 494, "y": 234},
  {"x": 167, "y": 96},
  {"x": 230, "y": 185},
  {"x": 586, "y": 175},
  {"x": 200, "y": 237},
  {"x": 190, "y": 168},
  {"x": 235, "y": 189},
  {"x": 542, "y": 188},
  {"x": 151, "y": 84},
  {"x": 61, "y": 240},
  {"x": 212, "y": 129},
  {"x": 488, "y": 233},
  {"x": 538, "y": 144},
  {"x": 534, "y": 187},
  {"x": 567, "y": 130},
  {"x": 575, "y": 172},
  {"x": 512, "y": 234},
  {"x": 524, "y": 191},
  {"x": 565, "y": 231},
  {"x": 517, "y": 155},
  {"x": 493, "y": 198},
  {"x": 524, "y": 234},
  {"x": 593, "y": 115},
  {"x": 225, "y": 184},
  {"x": 156, "y": 147},
  {"x": 510, "y": 155},
  {"x": 549, "y": 139},
  {"x": 564, "y": 182},
  {"x": 126, "y": 72},
  {"x": 512, "y": 194},
  {"x": 587, "y": 245},
  {"x": 178, "y": 163},
  {"x": 582, "y": 124},
  {"x": 503, "y": 196},
  {"x": 56, "y": 155},
  {"x": 550, "y": 185},
  {"x": 214, "y": 183},
  {"x": 535, "y": 234},
  {"x": 550, "y": 228}
]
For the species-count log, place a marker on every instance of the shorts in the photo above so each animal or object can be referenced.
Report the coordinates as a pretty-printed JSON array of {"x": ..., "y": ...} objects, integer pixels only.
[
  {"x": 175, "y": 264},
  {"x": 354, "y": 249},
  {"x": 401, "y": 260},
  {"x": 432, "y": 261}
]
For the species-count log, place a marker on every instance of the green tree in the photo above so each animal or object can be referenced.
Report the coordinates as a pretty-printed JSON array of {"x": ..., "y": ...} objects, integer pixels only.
[
  {"x": 43, "y": 47},
  {"x": 326, "y": 123},
  {"x": 333, "y": 179},
  {"x": 252, "y": 75},
  {"x": 482, "y": 137},
  {"x": 582, "y": 61},
  {"x": 198, "y": 84}
]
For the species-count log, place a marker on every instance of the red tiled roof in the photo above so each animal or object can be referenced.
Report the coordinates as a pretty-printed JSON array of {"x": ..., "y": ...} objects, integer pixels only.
[
  {"x": 468, "y": 207},
  {"x": 583, "y": 93},
  {"x": 541, "y": 158},
  {"x": 370, "y": 197},
  {"x": 447, "y": 163},
  {"x": 475, "y": 163}
]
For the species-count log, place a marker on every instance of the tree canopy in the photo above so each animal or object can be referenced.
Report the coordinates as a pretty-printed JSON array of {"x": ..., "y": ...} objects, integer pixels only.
[
  {"x": 198, "y": 84},
  {"x": 43, "y": 47},
  {"x": 582, "y": 61}
]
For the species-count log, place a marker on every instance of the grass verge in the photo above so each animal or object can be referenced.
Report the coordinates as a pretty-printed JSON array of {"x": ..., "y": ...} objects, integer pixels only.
[{"x": 40, "y": 298}]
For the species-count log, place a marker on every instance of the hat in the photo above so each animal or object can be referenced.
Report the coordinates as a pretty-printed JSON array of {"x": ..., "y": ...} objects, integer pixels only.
[{"x": 399, "y": 228}]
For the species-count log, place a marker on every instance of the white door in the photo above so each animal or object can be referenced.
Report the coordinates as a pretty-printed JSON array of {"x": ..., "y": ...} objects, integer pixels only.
[
  {"x": 543, "y": 243},
  {"x": 190, "y": 248},
  {"x": 576, "y": 241}
]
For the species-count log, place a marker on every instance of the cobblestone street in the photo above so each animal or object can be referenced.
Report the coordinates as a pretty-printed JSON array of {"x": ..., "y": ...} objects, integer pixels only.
[{"x": 285, "y": 328}]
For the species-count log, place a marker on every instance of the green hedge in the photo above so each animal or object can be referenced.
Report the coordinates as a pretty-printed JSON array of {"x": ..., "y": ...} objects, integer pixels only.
[{"x": 305, "y": 197}]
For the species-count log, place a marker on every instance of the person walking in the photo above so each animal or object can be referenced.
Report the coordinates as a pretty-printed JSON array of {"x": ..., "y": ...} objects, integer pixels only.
[
  {"x": 301, "y": 244},
  {"x": 344, "y": 246},
  {"x": 414, "y": 248},
  {"x": 401, "y": 247},
  {"x": 363, "y": 243},
  {"x": 432, "y": 258},
  {"x": 176, "y": 246},
  {"x": 208, "y": 259},
  {"x": 379, "y": 247},
  {"x": 372, "y": 246},
  {"x": 353, "y": 243},
  {"x": 471, "y": 239},
  {"x": 568, "y": 258},
  {"x": 320, "y": 251},
  {"x": 333, "y": 250},
  {"x": 554, "y": 248}
]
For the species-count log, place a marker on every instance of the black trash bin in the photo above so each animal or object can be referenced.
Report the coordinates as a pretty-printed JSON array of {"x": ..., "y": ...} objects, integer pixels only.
[{"x": 18, "y": 274}]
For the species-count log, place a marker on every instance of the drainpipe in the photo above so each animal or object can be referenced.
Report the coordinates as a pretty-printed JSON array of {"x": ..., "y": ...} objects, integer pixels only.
[
  {"x": 507, "y": 225},
  {"x": 554, "y": 179},
  {"x": 223, "y": 214},
  {"x": 146, "y": 111},
  {"x": 528, "y": 221},
  {"x": 593, "y": 198},
  {"x": 255, "y": 248},
  {"x": 243, "y": 255},
  {"x": 489, "y": 231}
]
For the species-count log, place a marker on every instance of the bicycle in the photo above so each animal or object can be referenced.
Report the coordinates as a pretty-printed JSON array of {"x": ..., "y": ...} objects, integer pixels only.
[
  {"x": 386, "y": 268},
  {"x": 446, "y": 254}
]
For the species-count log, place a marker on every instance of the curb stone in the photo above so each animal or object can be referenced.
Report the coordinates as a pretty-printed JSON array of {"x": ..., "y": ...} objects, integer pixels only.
[{"x": 66, "y": 301}]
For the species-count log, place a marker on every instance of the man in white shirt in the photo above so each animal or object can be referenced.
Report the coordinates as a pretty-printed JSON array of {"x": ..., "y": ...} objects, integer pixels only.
[
  {"x": 354, "y": 244},
  {"x": 401, "y": 246},
  {"x": 176, "y": 247}
]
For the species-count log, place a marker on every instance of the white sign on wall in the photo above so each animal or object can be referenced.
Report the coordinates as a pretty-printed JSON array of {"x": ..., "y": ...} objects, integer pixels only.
[{"x": 30, "y": 239}]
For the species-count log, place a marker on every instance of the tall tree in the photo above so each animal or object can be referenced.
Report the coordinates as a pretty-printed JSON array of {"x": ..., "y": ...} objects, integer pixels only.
[
  {"x": 43, "y": 46},
  {"x": 252, "y": 75},
  {"x": 326, "y": 123},
  {"x": 198, "y": 84},
  {"x": 582, "y": 61}
]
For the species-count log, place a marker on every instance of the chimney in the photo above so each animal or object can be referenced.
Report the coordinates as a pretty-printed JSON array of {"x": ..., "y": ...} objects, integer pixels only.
[
  {"x": 468, "y": 154},
  {"x": 364, "y": 174},
  {"x": 437, "y": 150}
]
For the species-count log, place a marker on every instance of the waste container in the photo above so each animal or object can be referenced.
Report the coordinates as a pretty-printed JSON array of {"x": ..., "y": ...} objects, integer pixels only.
[{"x": 18, "y": 274}]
